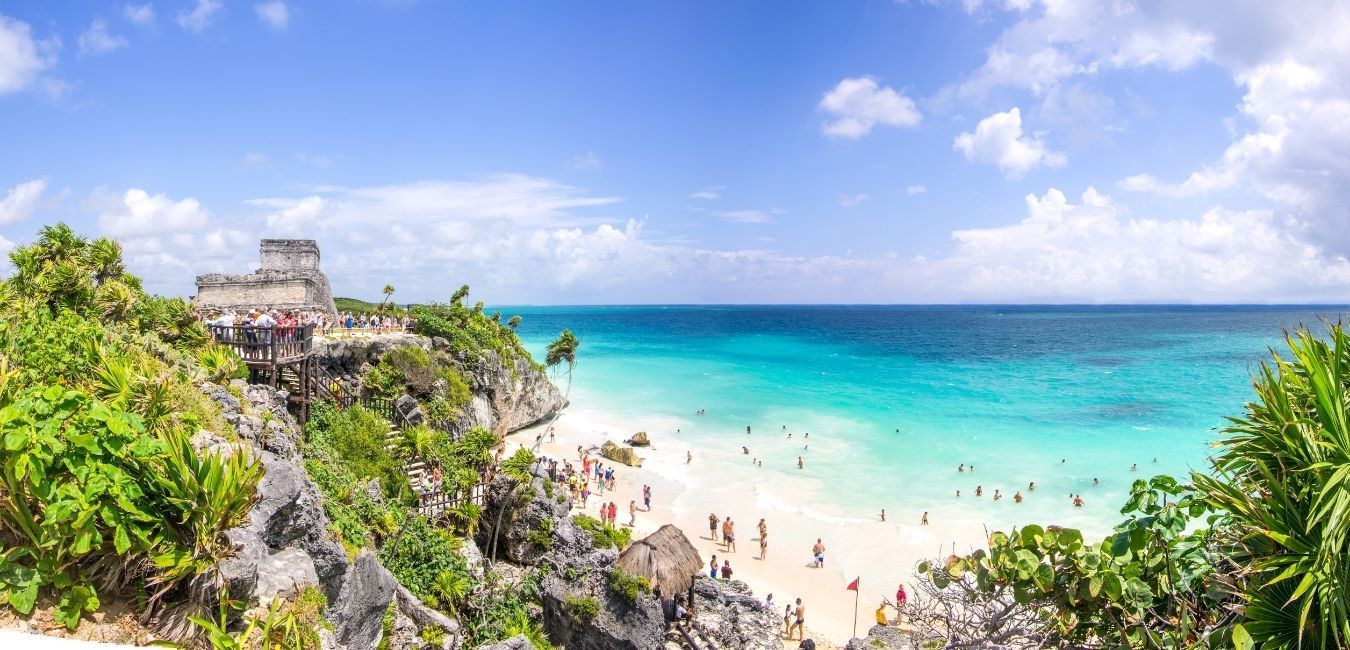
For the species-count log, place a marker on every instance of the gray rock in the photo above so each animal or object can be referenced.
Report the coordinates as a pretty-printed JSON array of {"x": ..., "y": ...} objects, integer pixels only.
[
  {"x": 411, "y": 411},
  {"x": 729, "y": 614},
  {"x": 288, "y": 513},
  {"x": 617, "y": 624},
  {"x": 439, "y": 343},
  {"x": 367, "y": 590},
  {"x": 285, "y": 573},
  {"x": 514, "y": 643},
  {"x": 203, "y": 440},
  {"x": 883, "y": 637},
  {"x": 522, "y": 510}
]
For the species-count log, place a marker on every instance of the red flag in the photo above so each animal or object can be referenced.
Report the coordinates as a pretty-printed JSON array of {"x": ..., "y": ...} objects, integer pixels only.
[{"x": 853, "y": 586}]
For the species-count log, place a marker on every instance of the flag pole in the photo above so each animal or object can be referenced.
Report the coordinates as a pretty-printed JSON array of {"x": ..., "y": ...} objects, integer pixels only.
[{"x": 856, "y": 595}]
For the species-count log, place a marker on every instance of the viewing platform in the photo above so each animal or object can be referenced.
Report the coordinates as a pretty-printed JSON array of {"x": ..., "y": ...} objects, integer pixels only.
[{"x": 281, "y": 357}]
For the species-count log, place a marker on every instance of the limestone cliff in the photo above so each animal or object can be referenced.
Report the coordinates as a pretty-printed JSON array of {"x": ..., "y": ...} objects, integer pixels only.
[{"x": 506, "y": 395}]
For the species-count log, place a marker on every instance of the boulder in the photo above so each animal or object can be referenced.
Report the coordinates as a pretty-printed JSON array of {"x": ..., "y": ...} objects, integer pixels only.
[
  {"x": 411, "y": 411},
  {"x": 618, "y": 454},
  {"x": 618, "y": 624},
  {"x": 522, "y": 509},
  {"x": 729, "y": 614},
  {"x": 359, "y": 611},
  {"x": 884, "y": 637},
  {"x": 639, "y": 439},
  {"x": 518, "y": 642}
]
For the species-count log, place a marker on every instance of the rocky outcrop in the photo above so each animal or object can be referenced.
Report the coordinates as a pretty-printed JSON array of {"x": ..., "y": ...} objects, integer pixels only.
[
  {"x": 625, "y": 455},
  {"x": 506, "y": 395},
  {"x": 639, "y": 439},
  {"x": 728, "y": 614},
  {"x": 883, "y": 637},
  {"x": 522, "y": 510},
  {"x": 513, "y": 643},
  {"x": 283, "y": 546},
  {"x": 616, "y": 624}
]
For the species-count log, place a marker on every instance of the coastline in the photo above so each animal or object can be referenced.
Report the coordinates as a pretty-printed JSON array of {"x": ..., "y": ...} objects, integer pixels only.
[{"x": 883, "y": 554}]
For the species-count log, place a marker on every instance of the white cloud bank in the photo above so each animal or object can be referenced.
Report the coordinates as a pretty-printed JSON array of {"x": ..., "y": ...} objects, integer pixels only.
[
  {"x": 858, "y": 104},
  {"x": 998, "y": 140}
]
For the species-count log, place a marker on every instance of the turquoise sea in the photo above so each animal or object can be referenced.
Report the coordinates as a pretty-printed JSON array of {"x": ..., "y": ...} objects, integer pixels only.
[{"x": 896, "y": 397}]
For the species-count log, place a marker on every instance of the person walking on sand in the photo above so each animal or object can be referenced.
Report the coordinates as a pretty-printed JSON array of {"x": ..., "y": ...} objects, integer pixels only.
[
  {"x": 883, "y": 514},
  {"x": 818, "y": 551},
  {"x": 787, "y": 618},
  {"x": 763, "y": 546},
  {"x": 647, "y": 497},
  {"x": 632, "y": 513},
  {"x": 613, "y": 513},
  {"x": 688, "y": 457},
  {"x": 800, "y": 465},
  {"x": 712, "y": 568},
  {"x": 924, "y": 520},
  {"x": 712, "y": 526},
  {"x": 729, "y": 533}
]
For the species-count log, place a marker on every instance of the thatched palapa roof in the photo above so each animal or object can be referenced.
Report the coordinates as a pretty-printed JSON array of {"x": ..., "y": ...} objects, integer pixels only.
[{"x": 666, "y": 558}]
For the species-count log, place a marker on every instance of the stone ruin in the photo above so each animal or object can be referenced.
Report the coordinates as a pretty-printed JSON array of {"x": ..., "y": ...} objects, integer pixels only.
[{"x": 289, "y": 279}]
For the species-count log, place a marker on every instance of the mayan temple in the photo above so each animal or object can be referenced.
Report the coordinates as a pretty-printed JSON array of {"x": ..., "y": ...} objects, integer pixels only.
[{"x": 289, "y": 279}]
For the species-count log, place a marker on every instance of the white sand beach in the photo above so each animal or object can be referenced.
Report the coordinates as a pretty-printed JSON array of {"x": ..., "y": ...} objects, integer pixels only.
[{"x": 723, "y": 481}]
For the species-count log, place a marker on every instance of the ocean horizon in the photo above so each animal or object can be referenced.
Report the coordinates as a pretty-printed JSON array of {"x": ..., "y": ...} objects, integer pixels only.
[{"x": 897, "y": 397}]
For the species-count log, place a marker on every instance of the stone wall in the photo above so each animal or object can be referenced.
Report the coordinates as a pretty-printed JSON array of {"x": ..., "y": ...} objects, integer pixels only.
[
  {"x": 290, "y": 255},
  {"x": 289, "y": 279}
]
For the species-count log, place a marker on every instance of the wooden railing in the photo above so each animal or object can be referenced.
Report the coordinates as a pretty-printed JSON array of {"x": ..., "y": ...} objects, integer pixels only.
[{"x": 266, "y": 344}]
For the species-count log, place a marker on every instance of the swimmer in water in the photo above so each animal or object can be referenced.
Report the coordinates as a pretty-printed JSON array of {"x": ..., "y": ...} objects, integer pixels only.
[
  {"x": 961, "y": 467},
  {"x": 1031, "y": 487},
  {"x": 1017, "y": 497},
  {"x": 800, "y": 464},
  {"x": 979, "y": 490}
]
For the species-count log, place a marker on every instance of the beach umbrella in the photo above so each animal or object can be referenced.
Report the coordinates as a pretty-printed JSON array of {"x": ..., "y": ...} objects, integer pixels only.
[{"x": 665, "y": 558}]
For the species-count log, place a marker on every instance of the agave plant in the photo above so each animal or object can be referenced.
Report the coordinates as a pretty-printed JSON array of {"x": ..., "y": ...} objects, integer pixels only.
[{"x": 1283, "y": 476}]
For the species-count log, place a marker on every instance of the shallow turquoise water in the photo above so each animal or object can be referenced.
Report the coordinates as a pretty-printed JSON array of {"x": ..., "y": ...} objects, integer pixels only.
[{"x": 1010, "y": 390}]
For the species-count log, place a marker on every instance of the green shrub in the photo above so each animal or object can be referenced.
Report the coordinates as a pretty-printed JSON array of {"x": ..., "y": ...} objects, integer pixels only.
[
  {"x": 604, "y": 535},
  {"x": 585, "y": 608},
  {"x": 433, "y": 635},
  {"x": 467, "y": 329},
  {"x": 221, "y": 363},
  {"x": 628, "y": 585},
  {"x": 357, "y": 436},
  {"x": 429, "y": 377},
  {"x": 541, "y": 536},
  {"x": 419, "y": 556},
  {"x": 87, "y": 485}
]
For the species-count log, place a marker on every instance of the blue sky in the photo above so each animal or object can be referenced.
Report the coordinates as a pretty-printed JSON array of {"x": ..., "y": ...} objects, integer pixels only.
[{"x": 619, "y": 152}]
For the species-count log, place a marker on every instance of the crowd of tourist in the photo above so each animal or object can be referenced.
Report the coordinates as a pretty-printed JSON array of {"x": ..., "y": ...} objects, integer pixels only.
[{"x": 287, "y": 322}]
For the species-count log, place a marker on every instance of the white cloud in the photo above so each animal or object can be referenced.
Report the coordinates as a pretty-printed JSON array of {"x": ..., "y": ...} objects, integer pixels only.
[
  {"x": 708, "y": 193},
  {"x": 20, "y": 201},
  {"x": 850, "y": 200},
  {"x": 143, "y": 15},
  {"x": 1092, "y": 251},
  {"x": 442, "y": 206},
  {"x": 274, "y": 14},
  {"x": 858, "y": 104},
  {"x": 201, "y": 15},
  {"x": 137, "y": 213},
  {"x": 998, "y": 140},
  {"x": 98, "y": 40},
  {"x": 22, "y": 58},
  {"x": 915, "y": 189},
  {"x": 255, "y": 159},
  {"x": 587, "y": 160}
]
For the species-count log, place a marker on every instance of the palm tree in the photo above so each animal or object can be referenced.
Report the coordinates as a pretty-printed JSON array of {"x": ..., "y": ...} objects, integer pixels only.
[
  {"x": 564, "y": 349},
  {"x": 388, "y": 291},
  {"x": 1283, "y": 480}
]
